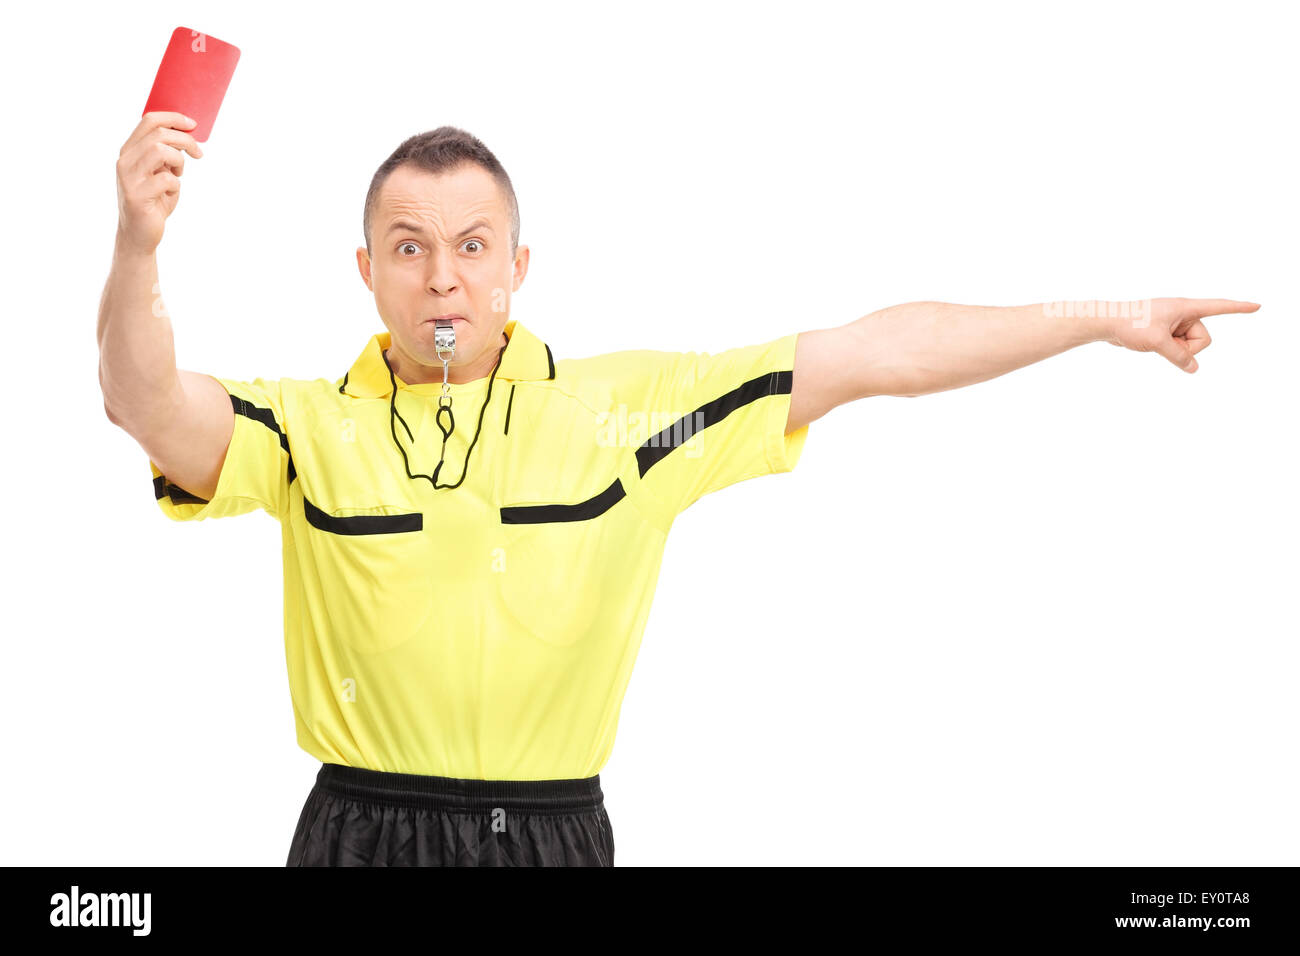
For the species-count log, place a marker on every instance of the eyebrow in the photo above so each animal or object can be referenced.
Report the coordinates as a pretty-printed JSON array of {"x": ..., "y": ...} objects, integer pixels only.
[{"x": 403, "y": 226}]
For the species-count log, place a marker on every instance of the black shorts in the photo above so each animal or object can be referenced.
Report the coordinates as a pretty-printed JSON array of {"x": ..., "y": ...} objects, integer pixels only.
[{"x": 359, "y": 817}]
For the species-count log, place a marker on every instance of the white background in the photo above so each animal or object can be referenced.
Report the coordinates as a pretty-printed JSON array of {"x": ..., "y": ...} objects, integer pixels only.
[{"x": 1046, "y": 619}]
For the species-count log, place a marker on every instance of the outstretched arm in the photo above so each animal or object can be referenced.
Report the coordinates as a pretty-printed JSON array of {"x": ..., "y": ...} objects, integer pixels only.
[{"x": 922, "y": 347}]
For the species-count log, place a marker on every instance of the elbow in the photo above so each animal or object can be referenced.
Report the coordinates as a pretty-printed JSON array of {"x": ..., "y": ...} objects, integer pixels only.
[
  {"x": 108, "y": 410},
  {"x": 113, "y": 413}
]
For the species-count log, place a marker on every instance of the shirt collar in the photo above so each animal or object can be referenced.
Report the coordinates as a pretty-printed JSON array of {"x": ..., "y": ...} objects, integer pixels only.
[{"x": 526, "y": 359}]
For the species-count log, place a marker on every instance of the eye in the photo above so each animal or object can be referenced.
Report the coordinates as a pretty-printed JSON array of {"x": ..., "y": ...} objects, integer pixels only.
[
  {"x": 475, "y": 241},
  {"x": 404, "y": 245}
]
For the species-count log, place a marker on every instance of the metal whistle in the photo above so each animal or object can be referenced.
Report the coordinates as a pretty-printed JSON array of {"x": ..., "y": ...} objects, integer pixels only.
[{"x": 444, "y": 339}]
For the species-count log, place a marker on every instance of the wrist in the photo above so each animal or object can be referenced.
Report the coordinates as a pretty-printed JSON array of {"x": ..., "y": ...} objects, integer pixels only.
[
  {"x": 1111, "y": 319},
  {"x": 1083, "y": 321},
  {"x": 1100, "y": 325},
  {"x": 124, "y": 250}
]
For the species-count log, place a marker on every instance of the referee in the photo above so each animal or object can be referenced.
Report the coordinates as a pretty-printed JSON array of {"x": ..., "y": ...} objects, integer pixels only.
[{"x": 459, "y": 504}]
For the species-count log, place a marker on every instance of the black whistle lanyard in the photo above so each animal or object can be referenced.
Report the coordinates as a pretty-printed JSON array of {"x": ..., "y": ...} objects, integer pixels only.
[{"x": 444, "y": 405}]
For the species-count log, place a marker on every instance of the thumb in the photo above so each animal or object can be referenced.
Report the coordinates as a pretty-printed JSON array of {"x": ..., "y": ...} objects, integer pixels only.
[{"x": 1178, "y": 353}]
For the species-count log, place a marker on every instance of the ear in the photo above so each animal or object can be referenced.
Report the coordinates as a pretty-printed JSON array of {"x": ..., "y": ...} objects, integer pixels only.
[
  {"x": 363, "y": 265},
  {"x": 521, "y": 267}
]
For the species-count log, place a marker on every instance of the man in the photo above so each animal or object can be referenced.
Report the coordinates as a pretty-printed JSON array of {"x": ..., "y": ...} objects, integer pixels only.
[{"x": 472, "y": 525}]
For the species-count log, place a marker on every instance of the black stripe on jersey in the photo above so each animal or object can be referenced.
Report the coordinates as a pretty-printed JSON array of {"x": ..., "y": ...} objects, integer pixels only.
[
  {"x": 657, "y": 446},
  {"x": 162, "y": 488},
  {"x": 267, "y": 418},
  {"x": 362, "y": 524},
  {"x": 582, "y": 511}
]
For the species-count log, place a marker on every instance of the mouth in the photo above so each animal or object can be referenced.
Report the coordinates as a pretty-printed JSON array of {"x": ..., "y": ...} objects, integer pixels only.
[{"x": 453, "y": 318}]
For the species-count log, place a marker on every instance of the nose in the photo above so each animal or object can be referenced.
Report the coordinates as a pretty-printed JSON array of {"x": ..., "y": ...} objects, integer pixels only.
[{"x": 442, "y": 274}]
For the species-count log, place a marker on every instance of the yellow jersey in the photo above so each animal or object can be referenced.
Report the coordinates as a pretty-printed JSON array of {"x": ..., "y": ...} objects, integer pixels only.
[{"x": 487, "y": 627}]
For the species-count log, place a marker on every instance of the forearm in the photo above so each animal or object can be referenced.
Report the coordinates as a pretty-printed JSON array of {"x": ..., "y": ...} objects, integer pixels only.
[
  {"x": 137, "y": 359},
  {"x": 922, "y": 347}
]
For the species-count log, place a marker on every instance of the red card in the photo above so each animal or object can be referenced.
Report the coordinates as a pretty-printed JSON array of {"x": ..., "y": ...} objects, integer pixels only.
[{"x": 192, "y": 79}]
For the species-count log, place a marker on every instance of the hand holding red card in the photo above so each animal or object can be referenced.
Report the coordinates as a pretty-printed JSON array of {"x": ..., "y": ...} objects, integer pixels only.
[{"x": 192, "y": 79}]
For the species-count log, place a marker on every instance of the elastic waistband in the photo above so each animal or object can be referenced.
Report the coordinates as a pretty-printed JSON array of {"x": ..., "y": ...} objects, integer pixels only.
[{"x": 454, "y": 793}]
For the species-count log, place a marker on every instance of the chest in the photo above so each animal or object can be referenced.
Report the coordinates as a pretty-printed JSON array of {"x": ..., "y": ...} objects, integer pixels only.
[{"x": 531, "y": 516}]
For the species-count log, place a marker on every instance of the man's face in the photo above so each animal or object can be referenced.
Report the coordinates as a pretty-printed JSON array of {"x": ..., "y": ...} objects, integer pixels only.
[{"x": 441, "y": 245}]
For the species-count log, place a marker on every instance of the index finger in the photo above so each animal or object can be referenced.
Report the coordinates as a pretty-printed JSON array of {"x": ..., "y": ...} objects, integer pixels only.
[
  {"x": 152, "y": 120},
  {"x": 1204, "y": 307}
]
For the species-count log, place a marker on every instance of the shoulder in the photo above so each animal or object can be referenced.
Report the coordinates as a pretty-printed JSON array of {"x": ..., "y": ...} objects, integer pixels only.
[
  {"x": 300, "y": 399},
  {"x": 605, "y": 380}
]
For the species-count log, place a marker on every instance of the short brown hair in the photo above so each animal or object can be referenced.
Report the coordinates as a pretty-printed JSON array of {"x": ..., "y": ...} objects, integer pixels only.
[{"x": 440, "y": 151}]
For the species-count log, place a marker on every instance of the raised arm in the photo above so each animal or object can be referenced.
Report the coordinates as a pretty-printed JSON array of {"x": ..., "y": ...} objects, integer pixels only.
[
  {"x": 183, "y": 420},
  {"x": 923, "y": 347}
]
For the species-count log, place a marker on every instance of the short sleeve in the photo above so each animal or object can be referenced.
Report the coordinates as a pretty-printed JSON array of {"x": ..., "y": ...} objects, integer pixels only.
[
  {"x": 257, "y": 469},
  {"x": 712, "y": 419}
]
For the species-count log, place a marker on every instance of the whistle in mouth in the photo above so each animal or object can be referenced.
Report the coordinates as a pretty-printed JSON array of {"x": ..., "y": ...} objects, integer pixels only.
[{"x": 444, "y": 338}]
